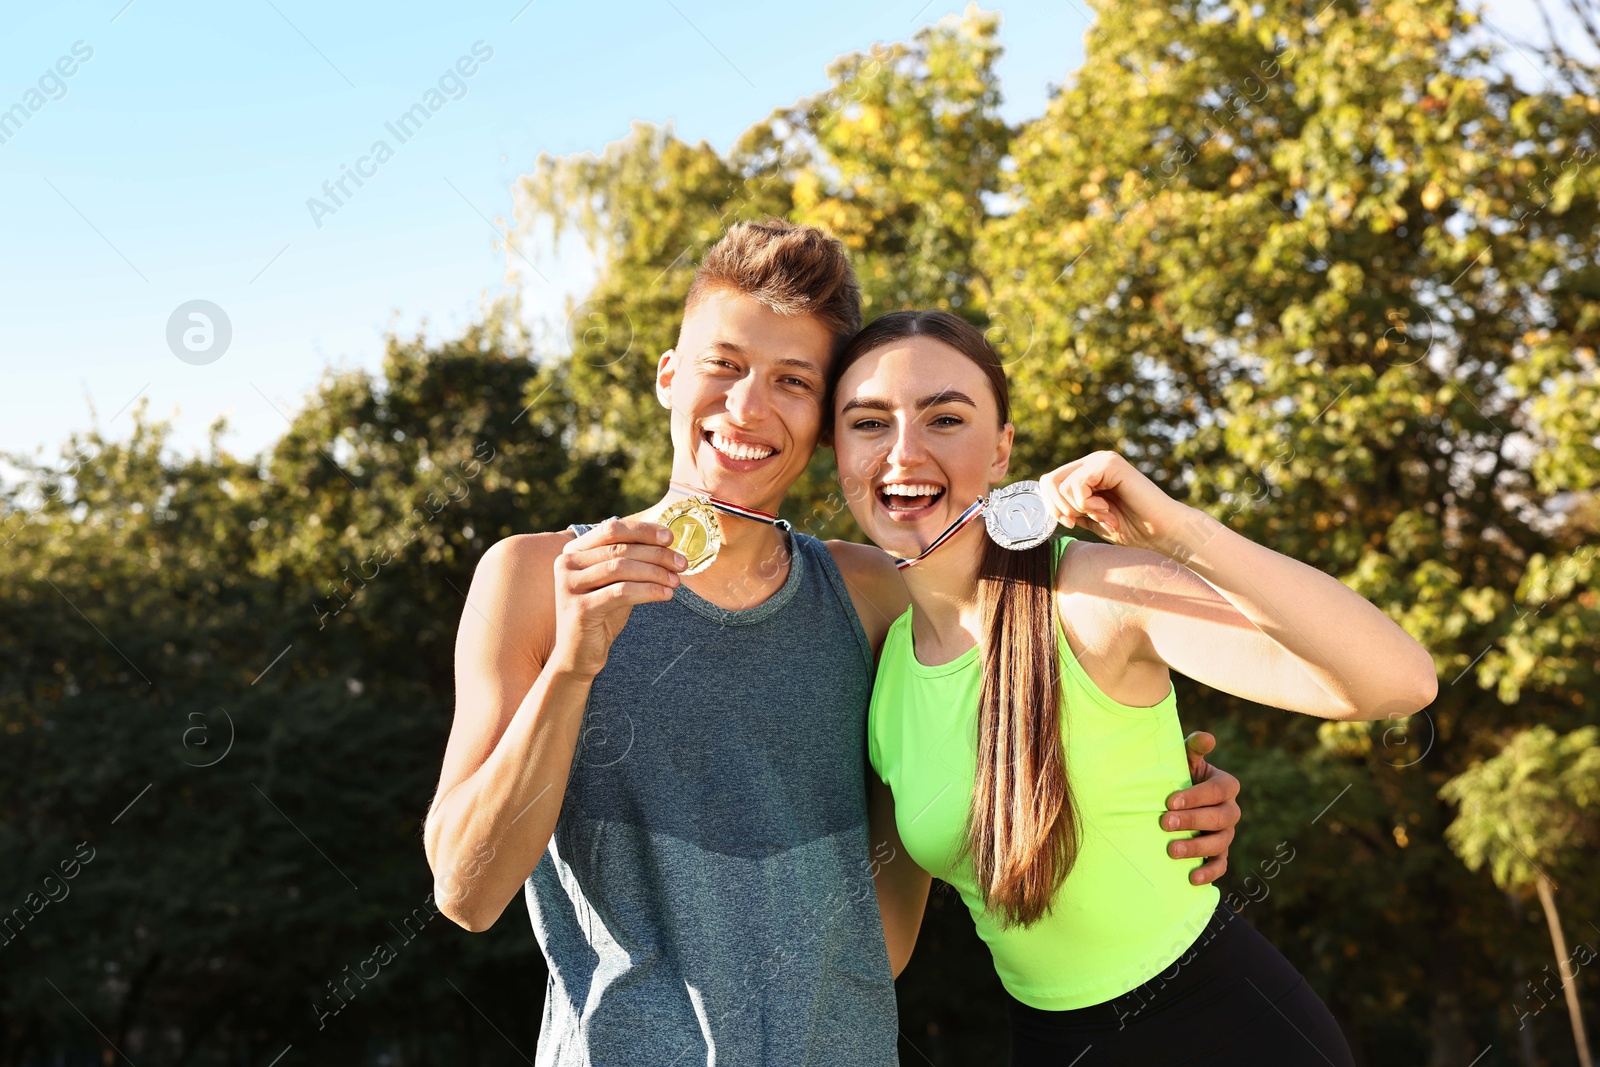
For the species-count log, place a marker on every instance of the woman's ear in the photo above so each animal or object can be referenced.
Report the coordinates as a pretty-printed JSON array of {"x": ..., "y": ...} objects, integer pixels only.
[
  {"x": 1002, "y": 454},
  {"x": 665, "y": 366}
]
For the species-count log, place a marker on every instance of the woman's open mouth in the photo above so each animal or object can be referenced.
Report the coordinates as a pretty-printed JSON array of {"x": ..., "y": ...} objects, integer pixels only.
[{"x": 909, "y": 500}]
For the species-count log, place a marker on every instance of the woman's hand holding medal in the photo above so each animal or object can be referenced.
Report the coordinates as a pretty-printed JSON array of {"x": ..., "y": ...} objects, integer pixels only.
[
  {"x": 1108, "y": 496},
  {"x": 599, "y": 577}
]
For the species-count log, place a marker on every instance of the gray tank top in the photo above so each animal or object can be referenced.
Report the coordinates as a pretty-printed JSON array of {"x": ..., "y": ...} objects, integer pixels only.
[{"x": 707, "y": 897}]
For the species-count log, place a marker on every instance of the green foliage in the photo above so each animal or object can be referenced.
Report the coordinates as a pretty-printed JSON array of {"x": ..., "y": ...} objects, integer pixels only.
[
  {"x": 267, "y": 646},
  {"x": 1323, "y": 271},
  {"x": 1533, "y": 807}
]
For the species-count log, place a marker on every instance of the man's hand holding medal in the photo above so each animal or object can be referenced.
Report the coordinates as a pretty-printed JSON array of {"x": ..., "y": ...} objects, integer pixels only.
[{"x": 599, "y": 577}]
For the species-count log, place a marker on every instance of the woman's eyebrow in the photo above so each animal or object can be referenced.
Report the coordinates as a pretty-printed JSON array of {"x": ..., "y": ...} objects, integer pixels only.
[
  {"x": 876, "y": 402},
  {"x": 947, "y": 396}
]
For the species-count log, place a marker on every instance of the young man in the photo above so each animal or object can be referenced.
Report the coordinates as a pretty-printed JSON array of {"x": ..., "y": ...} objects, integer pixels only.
[{"x": 678, "y": 759}]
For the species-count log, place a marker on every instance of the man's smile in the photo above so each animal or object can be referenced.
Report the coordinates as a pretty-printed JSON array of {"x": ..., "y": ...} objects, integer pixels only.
[{"x": 740, "y": 453}]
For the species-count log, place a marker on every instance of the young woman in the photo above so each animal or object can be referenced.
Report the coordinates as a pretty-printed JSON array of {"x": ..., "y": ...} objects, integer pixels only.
[{"x": 1025, "y": 728}]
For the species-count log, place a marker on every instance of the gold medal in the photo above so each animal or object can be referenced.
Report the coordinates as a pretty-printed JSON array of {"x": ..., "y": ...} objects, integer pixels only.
[{"x": 696, "y": 532}]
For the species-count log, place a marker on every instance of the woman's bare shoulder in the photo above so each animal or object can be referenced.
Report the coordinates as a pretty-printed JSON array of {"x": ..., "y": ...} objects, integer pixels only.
[{"x": 1101, "y": 591}]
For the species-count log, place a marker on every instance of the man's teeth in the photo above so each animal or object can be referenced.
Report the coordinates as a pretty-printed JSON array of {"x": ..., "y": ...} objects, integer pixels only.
[
  {"x": 735, "y": 450},
  {"x": 912, "y": 490}
]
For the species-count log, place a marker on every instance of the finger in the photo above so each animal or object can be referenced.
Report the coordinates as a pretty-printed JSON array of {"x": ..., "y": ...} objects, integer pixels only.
[
  {"x": 1052, "y": 495},
  {"x": 1078, "y": 487},
  {"x": 1218, "y": 817},
  {"x": 1056, "y": 477},
  {"x": 1203, "y": 845},
  {"x": 1200, "y": 742},
  {"x": 639, "y": 531},
  {"x": 622, "y": 572},
  {"x": 635, "y": 593},
  {"x": 1195, "y": 747},
  {"x": 660, "y": 555},
  {"x": 1220, "y": 788},
  {"x": 1209, "y": 871}
]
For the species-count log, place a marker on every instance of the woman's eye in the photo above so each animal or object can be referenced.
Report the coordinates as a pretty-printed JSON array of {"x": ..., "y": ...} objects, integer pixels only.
[
  {"x": 947, "y": 420},
  {"x": 866, "y": 424}
]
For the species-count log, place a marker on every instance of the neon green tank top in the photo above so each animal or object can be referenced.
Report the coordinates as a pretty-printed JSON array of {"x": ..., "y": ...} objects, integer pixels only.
[{"x": 1127, "y": 910}]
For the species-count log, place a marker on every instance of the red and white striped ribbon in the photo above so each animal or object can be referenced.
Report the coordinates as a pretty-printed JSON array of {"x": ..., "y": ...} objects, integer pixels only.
[
  {"x": 973, "y": 511},
  {"x": 734, "y": 509}
]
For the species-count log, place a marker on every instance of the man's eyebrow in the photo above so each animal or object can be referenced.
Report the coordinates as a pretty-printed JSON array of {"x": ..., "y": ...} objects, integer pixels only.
[
  {"x": 947, "y": 396},
  {"x": 804, "y": 364},
  {"x": 736, "y": 349}
]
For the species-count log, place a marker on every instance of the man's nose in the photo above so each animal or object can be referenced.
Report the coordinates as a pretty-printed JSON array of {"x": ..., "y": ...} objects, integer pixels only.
[{"x": 748, "y": 401}]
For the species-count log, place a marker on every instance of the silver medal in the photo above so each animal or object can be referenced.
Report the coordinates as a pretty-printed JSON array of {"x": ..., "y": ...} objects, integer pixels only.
[{"x": 1017, "y": 516}]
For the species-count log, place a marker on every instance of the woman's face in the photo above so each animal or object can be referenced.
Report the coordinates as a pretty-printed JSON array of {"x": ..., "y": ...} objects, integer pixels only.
[{"x": 918, "y": 438}]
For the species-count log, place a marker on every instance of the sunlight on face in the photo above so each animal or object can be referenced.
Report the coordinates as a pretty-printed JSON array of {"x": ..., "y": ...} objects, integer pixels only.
[
  {"x": 918, "y": 437},
  {"x": 745, "y": 387}
]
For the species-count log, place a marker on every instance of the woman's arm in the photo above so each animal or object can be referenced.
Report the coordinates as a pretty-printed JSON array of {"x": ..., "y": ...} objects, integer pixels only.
[
  {"x": 902, "y": 885},
  {"x": 1235, "y": 615}
]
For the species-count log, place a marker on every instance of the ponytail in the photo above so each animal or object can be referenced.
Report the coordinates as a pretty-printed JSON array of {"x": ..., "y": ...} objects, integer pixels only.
[{"x": 1023, "y": 830}]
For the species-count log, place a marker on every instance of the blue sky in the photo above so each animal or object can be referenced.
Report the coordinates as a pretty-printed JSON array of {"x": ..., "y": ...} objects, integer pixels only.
[{"x": 176, "y": 161}]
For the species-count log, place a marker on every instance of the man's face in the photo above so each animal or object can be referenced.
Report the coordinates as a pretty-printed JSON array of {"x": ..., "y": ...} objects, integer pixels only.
[{"x": 745, "y": 387}]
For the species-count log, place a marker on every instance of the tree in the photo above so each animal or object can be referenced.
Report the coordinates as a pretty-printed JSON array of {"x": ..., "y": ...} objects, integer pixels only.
[
  {"x": 1322, "y": 271},
  {"x": 1534, "y": 807},
  {"x": 1328, "y": 273},
  {"x": 231, "y": 678},
  {"x": 897, "y": 158}
]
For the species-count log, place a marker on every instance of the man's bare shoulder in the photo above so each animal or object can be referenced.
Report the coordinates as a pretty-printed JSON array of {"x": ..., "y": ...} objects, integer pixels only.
[
  {"x": 515, "y": 558},
  {"x": 863, "y": 562},
  {"x": 526, "y": 546},
  {"x": 876, "y": 588},
  {"x": 513, "y": 587}
]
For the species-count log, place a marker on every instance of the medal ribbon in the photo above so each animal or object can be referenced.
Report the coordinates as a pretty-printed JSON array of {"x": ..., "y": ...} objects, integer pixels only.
[
  {"x": 974, "y": 509},
  {"x": 734, "y": 509}
]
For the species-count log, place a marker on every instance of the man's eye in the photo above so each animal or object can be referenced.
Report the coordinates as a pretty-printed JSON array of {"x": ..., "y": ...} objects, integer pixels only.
[{"x": 801, "y": 382}]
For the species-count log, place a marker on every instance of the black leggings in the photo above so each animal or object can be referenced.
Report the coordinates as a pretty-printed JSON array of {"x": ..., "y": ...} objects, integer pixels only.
[{"x": 1231, "y": 998}]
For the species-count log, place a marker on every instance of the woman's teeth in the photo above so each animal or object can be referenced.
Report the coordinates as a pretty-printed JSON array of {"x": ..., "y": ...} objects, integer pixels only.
[
  {"x": 909, "y": 497},
  {"x": 735, "y": 450}
]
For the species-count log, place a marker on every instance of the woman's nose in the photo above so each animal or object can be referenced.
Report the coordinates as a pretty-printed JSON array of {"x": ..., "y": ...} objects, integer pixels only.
[{"x": 907, "y": 447}]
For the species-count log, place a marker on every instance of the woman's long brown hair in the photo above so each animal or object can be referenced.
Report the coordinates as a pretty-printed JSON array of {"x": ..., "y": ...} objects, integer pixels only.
[{"x": 1023, "y": 830}]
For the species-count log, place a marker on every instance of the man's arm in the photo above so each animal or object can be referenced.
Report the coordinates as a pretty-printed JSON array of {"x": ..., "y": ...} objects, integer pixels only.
[
  {"x": 1210, "y": 806},
  {"x": 537, "y": 627},
  {"x": 879, "y": 596},
  {"x": 901, "y": 884}
]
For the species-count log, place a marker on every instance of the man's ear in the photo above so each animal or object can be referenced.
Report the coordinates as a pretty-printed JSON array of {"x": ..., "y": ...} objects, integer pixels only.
[
  {"x": 665, "y": 366},
  {"x": 1002, "y": 454}
]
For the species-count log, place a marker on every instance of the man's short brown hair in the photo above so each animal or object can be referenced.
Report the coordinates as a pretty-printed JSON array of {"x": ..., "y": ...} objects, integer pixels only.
[{"x": 794, "y": 270}]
